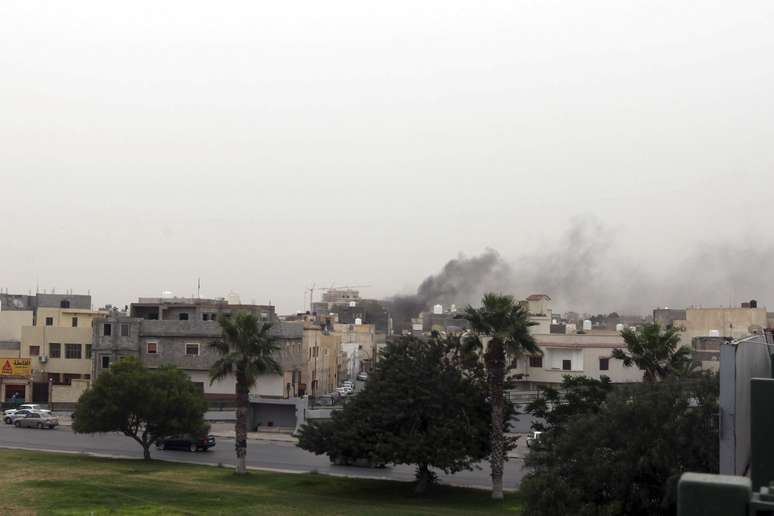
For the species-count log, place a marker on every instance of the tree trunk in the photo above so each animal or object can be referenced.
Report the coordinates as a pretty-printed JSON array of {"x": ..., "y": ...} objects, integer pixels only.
[
  {"x": 240, "y": 427},
  {"x": 495, "y": 362},
  {"x": 424, "y": 479},
  {"x": 146, "y": 451}
]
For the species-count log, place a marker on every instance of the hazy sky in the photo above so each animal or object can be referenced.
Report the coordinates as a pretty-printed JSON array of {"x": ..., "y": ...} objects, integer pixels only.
[{"x": 266, "y": 146}]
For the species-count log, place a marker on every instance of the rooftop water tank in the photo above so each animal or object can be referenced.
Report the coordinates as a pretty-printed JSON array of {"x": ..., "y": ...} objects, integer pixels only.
[
  {"x": 438, "y": 309},
  {"x": 586, "y": 325}
]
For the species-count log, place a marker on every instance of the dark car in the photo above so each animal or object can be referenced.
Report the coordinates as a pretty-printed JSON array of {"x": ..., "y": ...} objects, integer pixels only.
[{"x": 186, "y": 442}]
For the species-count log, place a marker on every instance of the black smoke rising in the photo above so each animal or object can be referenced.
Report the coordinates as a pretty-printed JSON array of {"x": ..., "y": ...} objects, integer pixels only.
[
  {"x": 462, "y": 281},
  {"x": 587, "y": 269}
]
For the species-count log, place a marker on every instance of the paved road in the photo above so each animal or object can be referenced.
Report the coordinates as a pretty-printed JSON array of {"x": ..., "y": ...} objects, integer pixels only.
[{"x": 260, "y": 454}]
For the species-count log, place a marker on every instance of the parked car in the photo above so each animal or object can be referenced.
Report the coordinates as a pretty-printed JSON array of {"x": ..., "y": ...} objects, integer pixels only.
[
  {"x": 24, "y": 406},
  {"x": 186, "y": 442},
  {"x": 324, "y": 401},
  {"x": 36, "y": 420},
  {"x": 344, "y": 390},
  {"x": 348, "y": 383},
  {"x": 362, "y": 376},
  {"x": 533, "y": 438},
  {"x": 340, "y": 460},
  {"x": 10, "y": 419}
]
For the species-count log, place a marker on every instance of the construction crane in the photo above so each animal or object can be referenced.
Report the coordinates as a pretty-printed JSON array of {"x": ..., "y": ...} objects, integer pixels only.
[{"x": 314, "y": 287}]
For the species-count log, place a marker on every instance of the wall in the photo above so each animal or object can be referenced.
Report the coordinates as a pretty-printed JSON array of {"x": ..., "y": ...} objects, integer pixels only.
[
  {"x": 43, "y": 336},
  {"x": 69, "y": 393},
  {"x": 740, "y": 361},
  {"x": 11, "y": 323},
  {"x": 270, "y": 386},
  {"x": 730, "y": 322},
  {"x": 585, "y": 352}
]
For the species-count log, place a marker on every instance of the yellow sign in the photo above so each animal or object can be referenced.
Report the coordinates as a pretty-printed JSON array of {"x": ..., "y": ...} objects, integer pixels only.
[{"x": 15, "y": 366}]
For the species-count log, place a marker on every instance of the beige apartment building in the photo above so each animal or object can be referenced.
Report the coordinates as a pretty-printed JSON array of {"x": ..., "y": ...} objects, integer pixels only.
[
  {"x": 60, "y": 346},
  {"x": 358, "y": 348},
  {"x": 588, "y": 354}
]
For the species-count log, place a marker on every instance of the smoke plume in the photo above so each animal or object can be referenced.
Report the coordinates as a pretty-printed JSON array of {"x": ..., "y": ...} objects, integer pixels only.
[{"x": 587, "y": 271}]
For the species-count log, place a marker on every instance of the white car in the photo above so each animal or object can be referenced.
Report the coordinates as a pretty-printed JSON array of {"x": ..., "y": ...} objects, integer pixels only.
[
  {"x": 22, "y": 413},
  {"x": 362, "y": 376},
  {"x": 25, "y": 406},
  {"x": 345, "y": 390}
]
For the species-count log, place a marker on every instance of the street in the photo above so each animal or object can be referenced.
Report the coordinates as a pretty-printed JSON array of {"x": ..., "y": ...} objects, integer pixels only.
[{"x": 260, "y": 454}]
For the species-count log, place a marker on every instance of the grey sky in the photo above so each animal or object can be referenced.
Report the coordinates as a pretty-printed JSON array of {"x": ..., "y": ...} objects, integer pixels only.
[{"x": 265, "y": 146}]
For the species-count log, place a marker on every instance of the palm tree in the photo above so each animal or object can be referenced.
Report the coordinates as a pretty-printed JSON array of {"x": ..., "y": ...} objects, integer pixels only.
[
  {"x": 499, "y": 333},
  {"x": 245, "y": 352},
  {"x": 657, "y": 353}
]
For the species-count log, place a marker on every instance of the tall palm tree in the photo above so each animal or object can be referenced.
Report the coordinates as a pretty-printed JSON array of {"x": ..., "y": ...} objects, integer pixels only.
[
  {"x": 657, "y": 353},
  {"x": 499, "y": 333},
  {"x": 245, "y": 352}
]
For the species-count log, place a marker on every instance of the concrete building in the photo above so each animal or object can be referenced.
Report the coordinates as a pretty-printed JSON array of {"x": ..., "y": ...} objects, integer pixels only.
[
  {"x": 60, "y": 346},
  {"x": 540, "y": 313},
  {"x": 52, "y": 334},
  {"x": 733, "y": 323},
  {"x": 587, "y": 354},
  {"x": 178, "y": 331},
  {"x": 358, "y": 346}
]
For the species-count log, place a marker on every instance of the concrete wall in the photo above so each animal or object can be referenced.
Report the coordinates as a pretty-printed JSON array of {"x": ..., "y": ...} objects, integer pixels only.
[
  {"x": 69, "y": 393},
  {"x": 584, "y": 351},
  {"x": 44, "y": 336},
  {"x": 740, "y": 361},
  {"x": 11, "y": 323},
  {"x": 736, "y": 323}
]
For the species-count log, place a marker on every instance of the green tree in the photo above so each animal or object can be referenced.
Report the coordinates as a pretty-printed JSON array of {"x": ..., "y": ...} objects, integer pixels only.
[
  {"x": 418, "y": 407},
  {"x": 658, "y": 353},
  {"x": 626, "y": 455},
  {"x": 144, "y": 404},
  {"x": 576, "y": 395},
  {"x": 500, "y": 335},
  {"x": 246, "y": 352}
]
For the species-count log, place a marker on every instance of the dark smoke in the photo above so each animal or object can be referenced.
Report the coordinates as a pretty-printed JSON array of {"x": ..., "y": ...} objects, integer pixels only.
[
  {"x": 462, "y": 281},
  {"x": 586, "y": 270}
]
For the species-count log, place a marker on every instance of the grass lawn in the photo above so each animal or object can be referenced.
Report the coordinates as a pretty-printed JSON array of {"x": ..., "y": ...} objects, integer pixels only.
[{"x": 50, "y": 483}]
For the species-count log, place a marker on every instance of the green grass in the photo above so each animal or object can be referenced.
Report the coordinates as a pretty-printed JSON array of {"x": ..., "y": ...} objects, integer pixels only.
[{"x": 50, "y": 483}]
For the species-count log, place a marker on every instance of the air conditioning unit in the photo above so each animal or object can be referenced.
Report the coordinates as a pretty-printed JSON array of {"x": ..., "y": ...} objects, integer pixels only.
[{"x": 43, "y": 359}]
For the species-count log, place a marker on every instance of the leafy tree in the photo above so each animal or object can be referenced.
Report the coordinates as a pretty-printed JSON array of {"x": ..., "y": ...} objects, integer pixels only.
[
  {"x": 499, "y": 333},
  {"x": 626, "y": 456},
  {"x": 418, "y": 407},
  {"x": 144, "y": 404},
  {"x": 657, "y": 353},
  {"x": 246, "y": 352},
  {"x": 577, "y": 395}
]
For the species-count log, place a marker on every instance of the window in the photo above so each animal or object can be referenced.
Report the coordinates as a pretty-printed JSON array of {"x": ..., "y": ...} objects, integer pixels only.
[
  {"x": 87, "y": 377},
  {"x": 566, "y": 365},
  {"x": 107, "y": 329},
  {"x": 75, "y": 322},
  {"x": 73, "y": 351},
  {"x": 34, "y": 351},
  {"x": 192, "y": 350},
  {"x": 55, "y": 350},
  {"x": 205, "y": 317},
  {"x": 64, "y": 303},
  {"x": 152, "y": 348},
  {"x": 49, "y": 321},
  {"x": 213, "y": 317},
  {"x": 54, "y": 378},
  {"x": 536, "y": 361},
  {"x": 68, "y": 378},
  {"x": 182, "y": 317},
  {"x": 124, "y": 330},
  {"x": 604, "y": 364},
  {"x": 105, "y": 362}
]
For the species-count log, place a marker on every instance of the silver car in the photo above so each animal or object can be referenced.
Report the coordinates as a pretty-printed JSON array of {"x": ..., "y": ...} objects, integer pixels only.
[
  {"x": 9, "y": 419},
  {"x": 37, "y": 420}
]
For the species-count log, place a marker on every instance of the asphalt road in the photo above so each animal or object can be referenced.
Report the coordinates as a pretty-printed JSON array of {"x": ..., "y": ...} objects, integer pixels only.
[{"x": 260, "y": 454}]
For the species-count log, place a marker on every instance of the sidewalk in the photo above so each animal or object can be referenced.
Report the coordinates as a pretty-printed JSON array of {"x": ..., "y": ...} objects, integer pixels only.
[{"x": 258, "y": 436}]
